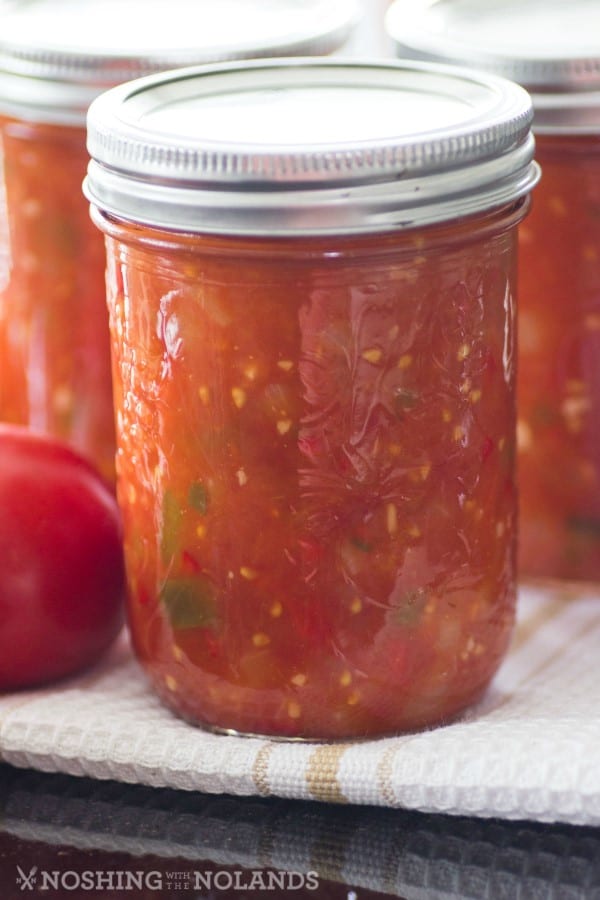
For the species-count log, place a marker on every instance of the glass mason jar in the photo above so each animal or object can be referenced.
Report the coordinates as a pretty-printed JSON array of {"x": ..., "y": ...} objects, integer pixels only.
[
  {"x": 546, "y": 47},
  {"x": 311, "y": 294},
  {"x": 54, "y": 344}
]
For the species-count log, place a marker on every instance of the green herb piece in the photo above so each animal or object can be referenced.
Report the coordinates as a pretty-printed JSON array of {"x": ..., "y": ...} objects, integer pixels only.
[
  {"x": 361, "y": 545},
  {"x": 189, "y": 602},
  {"x": 198, "y": 497}
]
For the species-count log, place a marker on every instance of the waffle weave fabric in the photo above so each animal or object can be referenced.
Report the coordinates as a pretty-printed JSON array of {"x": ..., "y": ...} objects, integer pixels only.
[{"x": 529, "y": 750}]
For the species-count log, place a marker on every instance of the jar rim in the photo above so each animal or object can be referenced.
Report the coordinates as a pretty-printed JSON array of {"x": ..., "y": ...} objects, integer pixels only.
[
  {"x": 544, "y": 45},
  {"x": 304, "y": 146},
  {"x": 50, "y": 73}
]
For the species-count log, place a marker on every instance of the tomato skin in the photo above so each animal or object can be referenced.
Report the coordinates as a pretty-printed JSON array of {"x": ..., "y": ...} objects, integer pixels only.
[{"x": 61, "y": 561}]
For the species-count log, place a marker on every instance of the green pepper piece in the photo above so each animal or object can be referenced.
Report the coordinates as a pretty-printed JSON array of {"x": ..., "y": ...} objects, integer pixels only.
[
  {"x": 198, "y": 497},
  {"x": 189, "y": 602}
]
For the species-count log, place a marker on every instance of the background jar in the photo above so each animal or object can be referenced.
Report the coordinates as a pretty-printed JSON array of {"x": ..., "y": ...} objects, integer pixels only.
[
  {"x": 553, "y": 50},
  {"x": 55, "y": 57},
  {"x": 310, "y": 284}
]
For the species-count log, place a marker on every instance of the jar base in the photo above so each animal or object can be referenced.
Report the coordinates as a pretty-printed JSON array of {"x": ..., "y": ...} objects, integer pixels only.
[{"x": 464, "y": 710}]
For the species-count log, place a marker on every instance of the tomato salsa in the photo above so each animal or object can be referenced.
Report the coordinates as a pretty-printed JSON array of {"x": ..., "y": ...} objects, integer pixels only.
[
  {"x": 314, "y": 375},
  {"x": 315, "y": 468},
  {"x": 54, "y": 342},
  {"x": 546, "y": 48},
  {"x": 559, "y": 370}
]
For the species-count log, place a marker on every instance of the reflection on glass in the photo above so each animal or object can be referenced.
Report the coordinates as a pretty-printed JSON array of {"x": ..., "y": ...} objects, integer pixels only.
[{"x": 322, "y": 851}]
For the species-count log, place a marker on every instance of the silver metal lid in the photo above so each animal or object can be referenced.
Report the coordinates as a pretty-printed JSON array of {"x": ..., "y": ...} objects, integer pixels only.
[
  {"x": 57, "y": 55},
  {"x": 551, "y": 47},
  {"x": 309, "y": 147}
]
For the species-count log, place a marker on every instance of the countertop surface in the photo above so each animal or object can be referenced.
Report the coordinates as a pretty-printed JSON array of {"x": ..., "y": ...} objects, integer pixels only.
[{"x": 62, "y": 836}]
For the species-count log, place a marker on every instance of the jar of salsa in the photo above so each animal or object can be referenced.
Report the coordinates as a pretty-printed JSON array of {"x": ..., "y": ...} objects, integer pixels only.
[
  {"x": 311, "y": 294},
  {"x": 55, "y": 57},
  {"x": 548, "y": 49}
]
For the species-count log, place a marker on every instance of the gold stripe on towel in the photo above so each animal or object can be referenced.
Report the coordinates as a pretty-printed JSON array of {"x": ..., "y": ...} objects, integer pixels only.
[
  {"x": 260, "y": 770},
  {"x": 384, "y": 775},
  {"x": 322, "y": 773}
]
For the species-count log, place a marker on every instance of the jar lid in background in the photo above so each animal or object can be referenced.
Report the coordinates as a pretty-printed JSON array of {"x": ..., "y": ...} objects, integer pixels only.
[
  {"x": 550, "y": 47},
  {"x": 57, "y": 55},
  {"x": 309, "y": 147}
]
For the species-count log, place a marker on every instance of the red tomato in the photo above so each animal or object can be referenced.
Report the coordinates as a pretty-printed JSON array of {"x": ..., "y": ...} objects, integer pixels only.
[{"x": 62, "y": 577}]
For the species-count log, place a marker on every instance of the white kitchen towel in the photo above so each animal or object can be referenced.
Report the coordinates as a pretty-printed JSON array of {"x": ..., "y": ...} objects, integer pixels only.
[{"x": 530, "y": 750}]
